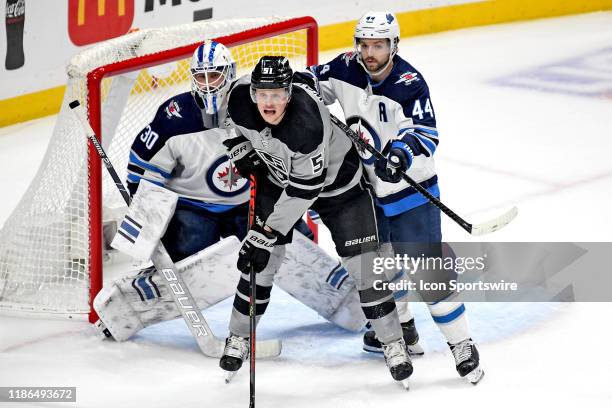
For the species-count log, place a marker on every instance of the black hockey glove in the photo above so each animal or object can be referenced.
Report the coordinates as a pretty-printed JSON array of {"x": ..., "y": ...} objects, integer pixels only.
[
  {"x": 244, "y": 157},
  {"x": 256, "y": 249},
  {"x": 400, "y": 158}
]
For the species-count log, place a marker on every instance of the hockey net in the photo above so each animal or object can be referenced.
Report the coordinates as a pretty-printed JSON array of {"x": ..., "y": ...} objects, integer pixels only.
[{"x": 52, "y": 246}]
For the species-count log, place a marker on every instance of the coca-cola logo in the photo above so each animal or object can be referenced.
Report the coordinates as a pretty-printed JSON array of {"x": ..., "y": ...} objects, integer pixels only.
[{"x": 16, "y": 9}]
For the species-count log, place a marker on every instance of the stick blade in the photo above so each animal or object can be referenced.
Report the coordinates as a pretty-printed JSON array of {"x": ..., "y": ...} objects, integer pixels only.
[
  {"x": 268, "y": 348},
  {"x": 495, "y": 224}
]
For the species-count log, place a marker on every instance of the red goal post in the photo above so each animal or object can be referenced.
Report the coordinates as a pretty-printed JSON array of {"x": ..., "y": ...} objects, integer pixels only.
[
  {"x": 94, "y": 81},
  {"x": 52, "y": 247}
]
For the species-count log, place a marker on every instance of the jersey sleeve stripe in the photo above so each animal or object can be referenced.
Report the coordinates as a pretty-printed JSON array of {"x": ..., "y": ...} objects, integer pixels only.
[
  {"x": 133, "y": 178},
  {"x": 426, "y": 143},
  {"x": 315, "y": 182},
  {"x": 428, "y": 132},
  {"x": 432, "y": 132},
  {"x": 304, "y": 194},
  {"x": 134, "y": 159}
]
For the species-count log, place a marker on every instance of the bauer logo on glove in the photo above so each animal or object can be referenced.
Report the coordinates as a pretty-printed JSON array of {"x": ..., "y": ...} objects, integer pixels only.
[{"x": 256, "y": 249}]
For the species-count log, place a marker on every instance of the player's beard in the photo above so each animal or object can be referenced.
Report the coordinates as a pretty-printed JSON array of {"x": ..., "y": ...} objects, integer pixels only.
[{"x": 378, "y": 66}]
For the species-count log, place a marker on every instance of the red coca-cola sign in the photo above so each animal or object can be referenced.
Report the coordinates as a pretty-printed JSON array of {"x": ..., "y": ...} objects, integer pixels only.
[{"x": 91, "y": 21}]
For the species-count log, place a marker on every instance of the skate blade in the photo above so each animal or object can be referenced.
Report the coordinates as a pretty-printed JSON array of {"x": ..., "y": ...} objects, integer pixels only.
[
  {"x": 228, "y": 375},
  {"x": 406, "y": 384},
  {"x": 475, "y": 376},
  {"x": 415, "y": 349},
  {"x": 371, "y": 349}
]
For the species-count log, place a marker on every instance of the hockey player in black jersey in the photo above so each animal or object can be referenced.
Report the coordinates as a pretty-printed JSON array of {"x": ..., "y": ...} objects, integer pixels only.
[
  {"x": 387, "y": 102},
  {"x": 310, "y": 164}
]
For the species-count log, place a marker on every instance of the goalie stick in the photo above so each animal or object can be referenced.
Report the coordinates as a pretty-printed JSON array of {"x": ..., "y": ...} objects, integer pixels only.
[
  {"x": 210, "y": 345},
  {"x": 474, "y": 229}
]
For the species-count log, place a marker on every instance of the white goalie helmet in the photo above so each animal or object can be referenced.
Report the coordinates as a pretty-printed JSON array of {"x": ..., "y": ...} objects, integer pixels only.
[
  {"x": 212, "y": 71},
  {"x": 376, "y": 25}
]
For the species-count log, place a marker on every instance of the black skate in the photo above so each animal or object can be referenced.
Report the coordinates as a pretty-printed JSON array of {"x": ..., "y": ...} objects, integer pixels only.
[
  {"x": 411, "y": 338},
  {"x": 398, "y": 361},
  {"x": 236, "y": 351},
  {"x": 102, "y": 331},
  {"x": 467, "y": 360}
]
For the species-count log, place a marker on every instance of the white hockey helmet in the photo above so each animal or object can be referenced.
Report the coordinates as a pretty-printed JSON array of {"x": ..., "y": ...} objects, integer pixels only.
[
  {"x": 212, "y": 71},
  {"x": 376, "y": 25}
]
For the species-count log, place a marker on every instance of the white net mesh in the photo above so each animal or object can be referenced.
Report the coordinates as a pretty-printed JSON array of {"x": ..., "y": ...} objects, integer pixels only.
[{"x": 45, "y": 245}]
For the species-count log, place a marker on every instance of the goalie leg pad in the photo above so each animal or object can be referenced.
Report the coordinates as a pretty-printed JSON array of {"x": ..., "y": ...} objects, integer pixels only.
[
  {"x": 115, "y": 311},
  {"x": 131, "y": 303},
  {"x": 320, "y": 282}
]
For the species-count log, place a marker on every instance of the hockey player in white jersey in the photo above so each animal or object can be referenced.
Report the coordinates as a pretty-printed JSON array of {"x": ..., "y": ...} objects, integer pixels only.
[
  {"x": 182, "y": 150},
  {"x": 311, "y": 164},
  {"x": 387, "y": 102}
]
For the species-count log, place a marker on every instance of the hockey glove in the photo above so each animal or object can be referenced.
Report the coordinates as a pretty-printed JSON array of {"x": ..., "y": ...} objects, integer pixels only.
[
  {"x": 398, "y": 161},
  {"x": 244, "y": 157},
  {"x": 256, "y": 249}
]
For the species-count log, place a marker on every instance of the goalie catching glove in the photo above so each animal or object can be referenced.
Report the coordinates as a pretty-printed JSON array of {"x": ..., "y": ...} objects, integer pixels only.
[
  {"x": 256, "y": 249},
  {"x": 244, "y": 157}
]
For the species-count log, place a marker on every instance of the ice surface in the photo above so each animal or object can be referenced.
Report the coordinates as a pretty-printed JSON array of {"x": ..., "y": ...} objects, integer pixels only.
[{"x": 524, "y": 116}]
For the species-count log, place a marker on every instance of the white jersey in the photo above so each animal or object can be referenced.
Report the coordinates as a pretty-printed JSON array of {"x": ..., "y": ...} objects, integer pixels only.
[
  {"x": 395, "y": 108},
  {"x": 182, "y": 150}
]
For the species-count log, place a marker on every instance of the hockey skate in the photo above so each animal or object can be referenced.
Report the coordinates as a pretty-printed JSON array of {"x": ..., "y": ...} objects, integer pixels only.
[
  {"x": 102, "y": 331},
  {"x": 467, "y": 360},
  {"x": 411, "y": 338},
  {"x": 398, "y": 361},
  {"x": 236, "y": 351}
]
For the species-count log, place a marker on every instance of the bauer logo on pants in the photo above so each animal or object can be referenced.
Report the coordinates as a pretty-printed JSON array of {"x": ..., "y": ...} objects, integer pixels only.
[{"x": 358, "y": 241}]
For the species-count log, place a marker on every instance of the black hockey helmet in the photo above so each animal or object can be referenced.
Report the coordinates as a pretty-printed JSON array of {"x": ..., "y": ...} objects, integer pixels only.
[{"x": 271, "y": 72}]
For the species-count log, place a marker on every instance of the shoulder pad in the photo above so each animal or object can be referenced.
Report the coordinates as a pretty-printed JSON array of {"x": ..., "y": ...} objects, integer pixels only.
[{"x": 303, "y": 129}]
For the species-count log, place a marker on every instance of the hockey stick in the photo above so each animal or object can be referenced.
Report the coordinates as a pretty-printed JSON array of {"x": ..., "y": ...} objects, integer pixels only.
[
  {"x": 252, "y": 301},
  {"x": 474, "y": 229},
  {"x": 207, "y": 342}
]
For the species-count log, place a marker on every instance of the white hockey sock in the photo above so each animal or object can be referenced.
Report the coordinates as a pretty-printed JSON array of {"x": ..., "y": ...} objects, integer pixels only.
[{"x": 451, "y": 319}]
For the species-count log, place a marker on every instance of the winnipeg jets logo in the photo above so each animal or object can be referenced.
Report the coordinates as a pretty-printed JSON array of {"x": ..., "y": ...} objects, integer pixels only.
[
  {"x": 229, "y": 177},
  {"x": 173, "y": 110},
  {"x": 408, "y": 78},
  {"x": 366, "y": 133},
  {"x": 367, "y": 138},
  {"x": 223, "y": 178},
  {"x": 348, "y": 56}
]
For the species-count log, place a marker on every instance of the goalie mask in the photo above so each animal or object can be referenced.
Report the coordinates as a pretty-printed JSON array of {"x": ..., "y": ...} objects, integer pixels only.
[
  {"x": 375, "y": 25},
  {"x": 272, "y": 73},
  {"x": 212, "y": 71}
]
